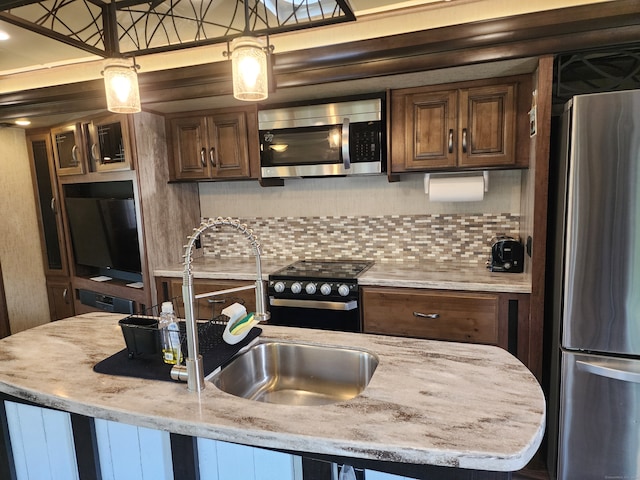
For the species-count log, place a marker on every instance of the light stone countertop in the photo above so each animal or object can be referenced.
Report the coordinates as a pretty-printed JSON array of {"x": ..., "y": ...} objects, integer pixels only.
[
  {"x": 429, "y": 402},
  {"x": 436, "y": 275}
]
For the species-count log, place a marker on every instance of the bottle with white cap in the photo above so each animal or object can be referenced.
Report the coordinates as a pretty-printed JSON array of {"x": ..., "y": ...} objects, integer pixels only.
[{"x": 169, "y": 335}]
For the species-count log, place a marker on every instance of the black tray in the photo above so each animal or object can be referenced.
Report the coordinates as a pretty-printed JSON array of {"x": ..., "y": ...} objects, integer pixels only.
[{"x": 151, "y": 367}]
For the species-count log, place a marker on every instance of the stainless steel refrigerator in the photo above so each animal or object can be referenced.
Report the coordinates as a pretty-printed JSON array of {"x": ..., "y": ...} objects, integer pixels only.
[{"x": 596, "y": 290}]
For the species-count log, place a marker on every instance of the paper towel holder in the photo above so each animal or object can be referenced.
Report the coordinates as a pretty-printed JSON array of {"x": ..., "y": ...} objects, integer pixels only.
[{"x": 427, "y": 177}]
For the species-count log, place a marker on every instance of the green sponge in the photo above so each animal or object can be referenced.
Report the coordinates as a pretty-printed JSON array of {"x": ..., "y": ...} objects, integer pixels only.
[{"x": 243, "y": 324}]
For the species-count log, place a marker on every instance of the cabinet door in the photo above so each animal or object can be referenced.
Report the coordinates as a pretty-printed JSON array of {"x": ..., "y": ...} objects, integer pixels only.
[
  {"x": 48, "y": 205},
  {"x": 210, "y": 307},
  {"x": 60, "y": 299},
  {"x": 430, "y": 130},
  {"x": 487, "y": 126},
  {"x": 439, "y": 315},
  {"x": 110, "y": 144},
  {"x": 67, "y": 149},
  {"x": 190, "y": 151},
  {"x": 228, "y": 152}
]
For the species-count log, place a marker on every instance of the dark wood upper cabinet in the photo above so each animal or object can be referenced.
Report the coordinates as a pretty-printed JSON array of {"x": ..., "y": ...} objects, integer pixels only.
[
  {"x": 109, "y": 147},
  {"x": 446, "y": 129},
  {"x": 51, "y": 226},
  {"x": 48, "y": 205},
  {"x": 429, "y": 123},
  {"x": 213, "y": 145},
  {"x": 229, "y": 150},
  {"x": 68, "y": 151},
  {"x": 189, "y": 151},
  {"x": 100, "y": 144},
  {"x": 486, "y": 134}
]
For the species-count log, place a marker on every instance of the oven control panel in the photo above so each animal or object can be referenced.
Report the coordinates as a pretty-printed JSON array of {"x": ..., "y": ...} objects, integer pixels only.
[{"x": 312, "y": 289}]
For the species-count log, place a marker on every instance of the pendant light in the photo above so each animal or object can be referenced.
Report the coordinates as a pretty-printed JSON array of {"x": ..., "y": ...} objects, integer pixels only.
[
  {"x": 249, "y": 69},
  {"x": 121, "y": 85},
  {"x": 249, "y": 65}
]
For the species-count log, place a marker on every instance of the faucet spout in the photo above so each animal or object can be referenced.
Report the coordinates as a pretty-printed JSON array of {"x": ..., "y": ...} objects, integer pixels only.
[{"x": 194, "y": 371}]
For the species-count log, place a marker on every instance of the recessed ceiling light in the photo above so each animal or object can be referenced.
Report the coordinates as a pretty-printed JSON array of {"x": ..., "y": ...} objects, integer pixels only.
[
  {"x": 23, "y": 123},
  {"x": 4, "y": 35}
]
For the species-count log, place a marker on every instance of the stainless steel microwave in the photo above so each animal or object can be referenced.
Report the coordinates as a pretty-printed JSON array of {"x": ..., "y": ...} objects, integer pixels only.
[{"x": 341, "y": 138}]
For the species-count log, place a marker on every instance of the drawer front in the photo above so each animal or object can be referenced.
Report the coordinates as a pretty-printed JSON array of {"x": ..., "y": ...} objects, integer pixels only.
[{"x": 456, "y": 316}]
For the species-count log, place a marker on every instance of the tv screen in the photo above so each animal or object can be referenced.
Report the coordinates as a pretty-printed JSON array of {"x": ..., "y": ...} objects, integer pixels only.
[{"x": 104, "y": 233}]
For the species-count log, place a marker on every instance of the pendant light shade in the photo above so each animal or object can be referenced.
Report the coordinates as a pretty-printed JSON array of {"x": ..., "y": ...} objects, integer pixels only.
[
  {"x": 249, "y": 68},
  {"x": 121, "y": 85}
]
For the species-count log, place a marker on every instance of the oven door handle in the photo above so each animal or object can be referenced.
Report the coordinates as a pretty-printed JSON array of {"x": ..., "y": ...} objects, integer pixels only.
[{"x": 317, "y": 304}]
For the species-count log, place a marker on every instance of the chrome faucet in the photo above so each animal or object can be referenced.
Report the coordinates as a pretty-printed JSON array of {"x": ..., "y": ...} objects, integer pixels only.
[{"x": 193, "y": 372}]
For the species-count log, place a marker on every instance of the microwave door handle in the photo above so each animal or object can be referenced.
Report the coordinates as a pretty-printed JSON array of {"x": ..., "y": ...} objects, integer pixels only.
[{"x": 346, "y": 159}]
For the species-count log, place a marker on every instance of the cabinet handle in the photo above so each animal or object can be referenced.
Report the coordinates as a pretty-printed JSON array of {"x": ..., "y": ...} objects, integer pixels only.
[
  {"x": 202, "y": 154},
  {"x": 212, "y": 156},
  {"x": 216, "y": 300},
  {"x": 94, "y": 153},
  {"x": 451, "y": 141},
  {"x": 74, "y": 155},
  {"x": 464, "y": 140},
  {"x": 426, "y": 315},
  {"x": 65, "y": 295},
  {"x": 53, "y": 206}
]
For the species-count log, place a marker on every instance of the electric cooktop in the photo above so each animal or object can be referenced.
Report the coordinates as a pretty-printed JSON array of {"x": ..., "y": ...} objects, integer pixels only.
[{"x": 323, "y": 269}]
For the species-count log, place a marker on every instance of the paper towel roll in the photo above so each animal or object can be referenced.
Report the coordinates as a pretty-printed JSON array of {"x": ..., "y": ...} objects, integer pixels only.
[{"x": 456, "y": 188}]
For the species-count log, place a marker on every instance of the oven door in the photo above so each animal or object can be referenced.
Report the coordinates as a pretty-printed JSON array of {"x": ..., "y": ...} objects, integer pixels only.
[{"x": 341, "y": 316}]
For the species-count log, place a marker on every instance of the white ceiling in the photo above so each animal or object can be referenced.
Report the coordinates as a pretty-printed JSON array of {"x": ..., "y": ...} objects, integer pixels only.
[{"x": 27, "y": 51}]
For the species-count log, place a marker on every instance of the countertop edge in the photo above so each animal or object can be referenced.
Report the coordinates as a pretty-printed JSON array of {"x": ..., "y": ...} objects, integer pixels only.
[
  {"x": 382, "y": 274},
  {"x": 283, "y": 441}
]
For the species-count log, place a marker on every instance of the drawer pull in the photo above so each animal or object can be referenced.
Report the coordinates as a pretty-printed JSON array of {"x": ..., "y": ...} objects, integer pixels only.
[
  {"x": 426, "y": 315},
  {"x": 216, "y": 300}
]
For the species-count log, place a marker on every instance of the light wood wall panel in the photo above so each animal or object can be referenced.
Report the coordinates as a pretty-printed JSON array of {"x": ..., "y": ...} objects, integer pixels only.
[
  {"x": 20, "y": 255},
  {"x": 169, "y": 211}
]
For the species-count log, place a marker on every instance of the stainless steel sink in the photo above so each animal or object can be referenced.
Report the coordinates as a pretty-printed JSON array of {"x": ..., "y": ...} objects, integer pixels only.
[{"x": 297, "y": 374}]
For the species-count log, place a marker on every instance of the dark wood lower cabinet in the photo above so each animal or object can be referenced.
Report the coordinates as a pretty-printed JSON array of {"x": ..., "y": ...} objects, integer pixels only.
[
  {"x": 60, "y": 295},
  {"x": 490, "y": 318}
]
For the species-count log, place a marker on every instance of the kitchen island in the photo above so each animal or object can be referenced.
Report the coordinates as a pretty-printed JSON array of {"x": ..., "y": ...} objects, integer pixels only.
[{"x": 432, "y": 404}]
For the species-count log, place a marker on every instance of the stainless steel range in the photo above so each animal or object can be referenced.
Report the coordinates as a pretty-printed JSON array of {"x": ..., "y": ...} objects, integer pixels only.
[{"x": 317, "y": 294}]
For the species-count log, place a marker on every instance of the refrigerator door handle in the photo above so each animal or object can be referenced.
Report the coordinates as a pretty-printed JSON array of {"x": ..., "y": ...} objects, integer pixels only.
[{"x": 616, "y": 370}]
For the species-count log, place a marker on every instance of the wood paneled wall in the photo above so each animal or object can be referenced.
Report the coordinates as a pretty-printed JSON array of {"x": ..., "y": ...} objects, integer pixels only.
[{"x": 20, "y": 254}]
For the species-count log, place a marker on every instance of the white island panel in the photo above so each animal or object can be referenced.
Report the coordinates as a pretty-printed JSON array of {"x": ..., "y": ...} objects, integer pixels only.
[
  {"x": 228, "y": 461},
  {"x": 126, "y": 451},
  {"x": 42, "y": 442}
]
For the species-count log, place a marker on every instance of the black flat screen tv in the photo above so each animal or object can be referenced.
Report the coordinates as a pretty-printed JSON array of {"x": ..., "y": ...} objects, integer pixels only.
[{"x": 104, "y": 234}]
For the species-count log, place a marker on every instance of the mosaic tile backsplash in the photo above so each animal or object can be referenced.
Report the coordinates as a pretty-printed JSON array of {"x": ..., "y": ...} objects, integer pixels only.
[{"x": 461, "y": 238}]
